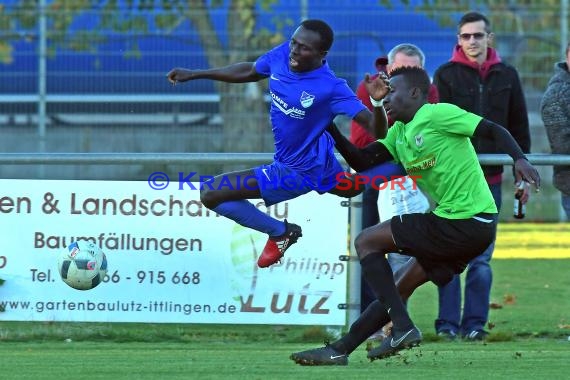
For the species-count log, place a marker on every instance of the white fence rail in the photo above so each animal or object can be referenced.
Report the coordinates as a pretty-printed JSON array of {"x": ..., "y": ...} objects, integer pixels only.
[{"x": 212, "y": 158}]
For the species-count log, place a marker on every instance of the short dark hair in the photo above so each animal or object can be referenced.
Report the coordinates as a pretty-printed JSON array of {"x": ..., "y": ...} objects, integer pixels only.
[
  {"x": 474, "y": 17},
  {"x": 414, "y": 77},
  {"x": 323, "y": 29}
]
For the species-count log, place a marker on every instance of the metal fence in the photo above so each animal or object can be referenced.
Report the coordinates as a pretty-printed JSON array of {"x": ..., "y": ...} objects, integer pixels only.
[
  {"x": 69, "y": 67},
  {"x": 544, "y": 206},
  {"x": 82, "y": 77}
]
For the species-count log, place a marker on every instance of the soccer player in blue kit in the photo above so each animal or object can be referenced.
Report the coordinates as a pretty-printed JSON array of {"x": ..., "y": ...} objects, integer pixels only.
[{"x": 305, "y": 98}]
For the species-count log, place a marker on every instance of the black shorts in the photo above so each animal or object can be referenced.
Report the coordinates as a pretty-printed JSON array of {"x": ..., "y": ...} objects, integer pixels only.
[{"x": 443, "y": 247}]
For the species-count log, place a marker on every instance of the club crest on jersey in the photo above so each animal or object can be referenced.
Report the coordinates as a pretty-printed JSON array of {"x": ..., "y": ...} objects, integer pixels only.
[
  {"x": 307, "y": 99},
  {"x": 419, "y": 140}
]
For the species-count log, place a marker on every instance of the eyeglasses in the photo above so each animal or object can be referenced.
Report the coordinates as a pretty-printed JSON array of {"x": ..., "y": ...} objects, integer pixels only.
[{"x": 477, "y": 36}]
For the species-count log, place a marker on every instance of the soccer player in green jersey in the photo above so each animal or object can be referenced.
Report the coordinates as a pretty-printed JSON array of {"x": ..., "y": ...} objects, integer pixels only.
[{"x": 432, "y": 142}]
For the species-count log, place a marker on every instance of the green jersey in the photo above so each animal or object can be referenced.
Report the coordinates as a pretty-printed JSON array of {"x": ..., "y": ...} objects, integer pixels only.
[{"x": 436, "y": 150}]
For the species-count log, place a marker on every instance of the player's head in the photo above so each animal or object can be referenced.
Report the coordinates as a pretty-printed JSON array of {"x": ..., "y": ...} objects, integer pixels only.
[
  {"x": 405, "y": 55},
  {"x": 474, "y": 35},
  {"x": 473, "y": 16},
  {"x": 309, "y": 45},
  {"x": 568, "y": 56},
  {"x": 324, "y": 31},
  {"x": 409, "y": 88}
]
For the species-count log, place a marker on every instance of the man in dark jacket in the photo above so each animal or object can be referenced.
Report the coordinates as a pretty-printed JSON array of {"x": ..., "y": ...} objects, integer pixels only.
[
  {"x": 476, "y": 80},
  {"x": 555, "y": 112}
]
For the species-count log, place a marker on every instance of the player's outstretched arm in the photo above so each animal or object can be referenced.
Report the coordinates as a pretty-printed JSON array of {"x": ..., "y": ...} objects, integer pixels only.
[
  {"x": 359, "y": 159},
  {"x": 236, "y": 73},
  {"x": 505, "y": 142}
]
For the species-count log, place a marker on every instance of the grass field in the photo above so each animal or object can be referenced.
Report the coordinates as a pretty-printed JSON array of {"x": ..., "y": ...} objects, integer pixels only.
[
  {"x": 533, "y": 241},
  {"x": 529, "y": 324},
  {"x": 266, "y": 360}
]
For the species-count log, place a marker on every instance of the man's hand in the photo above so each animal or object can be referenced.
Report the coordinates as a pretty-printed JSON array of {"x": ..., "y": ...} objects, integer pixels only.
[
  {"x": 524, "y": 171},
  {"x": 378, "y": 87},
  {"x": 178, "y": 75},
  {"x": 526, "y": 192}
]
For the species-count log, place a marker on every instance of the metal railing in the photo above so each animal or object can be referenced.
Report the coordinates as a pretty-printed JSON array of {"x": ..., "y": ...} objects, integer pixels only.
[
  {"x": 210, "y": 158},
  {"x": 110, "y": 98}
]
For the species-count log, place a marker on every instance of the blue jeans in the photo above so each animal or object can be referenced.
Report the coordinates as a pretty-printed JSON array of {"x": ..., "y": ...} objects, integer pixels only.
[
  {"x": 478, "y": 280},
  {"x": 566, "y": 206},
  {"x": 396, "y": 260}
]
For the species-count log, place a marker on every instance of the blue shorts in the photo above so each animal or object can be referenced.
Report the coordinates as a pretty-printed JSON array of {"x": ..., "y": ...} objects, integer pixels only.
[
  {"x": 278, "y": 183},
  {"x": 384, "y": 172}
]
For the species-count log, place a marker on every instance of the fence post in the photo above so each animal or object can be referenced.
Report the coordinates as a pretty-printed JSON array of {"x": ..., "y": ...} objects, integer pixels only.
[{"x": 354, "y": 273}]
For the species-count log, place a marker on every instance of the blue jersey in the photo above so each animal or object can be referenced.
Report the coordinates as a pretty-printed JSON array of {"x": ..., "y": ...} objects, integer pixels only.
[{"x": 302, "y": 106}]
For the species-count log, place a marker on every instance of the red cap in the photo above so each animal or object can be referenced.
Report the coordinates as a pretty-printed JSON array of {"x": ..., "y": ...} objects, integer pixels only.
[{"x": 381, "y": 63}]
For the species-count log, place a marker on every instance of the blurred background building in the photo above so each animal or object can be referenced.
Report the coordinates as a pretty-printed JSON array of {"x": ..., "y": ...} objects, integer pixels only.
[{"x": 89, "y": 76}]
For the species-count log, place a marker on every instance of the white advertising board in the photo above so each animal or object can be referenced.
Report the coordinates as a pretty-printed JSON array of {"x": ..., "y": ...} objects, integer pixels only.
[{"x": 170, "y": 260}]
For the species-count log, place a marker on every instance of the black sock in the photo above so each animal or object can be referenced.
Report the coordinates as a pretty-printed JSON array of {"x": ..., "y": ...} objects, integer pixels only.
[
  {"x": 379, "y": 276},
  {"x": 371, "y": 320}
]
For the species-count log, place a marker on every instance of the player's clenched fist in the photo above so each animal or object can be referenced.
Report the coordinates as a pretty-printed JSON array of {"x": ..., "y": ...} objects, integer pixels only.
[{"x": 179, "y": 75}]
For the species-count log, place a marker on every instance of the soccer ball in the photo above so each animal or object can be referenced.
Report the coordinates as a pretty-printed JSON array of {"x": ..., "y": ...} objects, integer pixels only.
[{"x": 82, "y": 265}]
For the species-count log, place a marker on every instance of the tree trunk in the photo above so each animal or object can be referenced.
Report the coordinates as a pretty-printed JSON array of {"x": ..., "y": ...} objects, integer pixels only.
[
  {"x": 244, "y": 113},
  {"x": 242, "y": 106}
]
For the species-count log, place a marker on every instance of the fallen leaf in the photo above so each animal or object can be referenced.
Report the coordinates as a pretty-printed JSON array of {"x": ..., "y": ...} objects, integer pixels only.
[{"x": 509, "y": 299}]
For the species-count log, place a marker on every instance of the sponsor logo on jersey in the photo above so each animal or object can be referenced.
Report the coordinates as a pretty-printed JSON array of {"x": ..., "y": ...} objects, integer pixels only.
[
  {"x": 286, "y": 109},
  {"x": 422, "y": 163}
]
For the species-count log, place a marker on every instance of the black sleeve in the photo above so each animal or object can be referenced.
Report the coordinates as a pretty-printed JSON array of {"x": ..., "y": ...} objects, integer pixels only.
[
  {"x": 489, "y": 130},
  {"x": 518, "y": 115},
  {"x": 359, "y": 159},
  {"x": 442, "y": 87}
]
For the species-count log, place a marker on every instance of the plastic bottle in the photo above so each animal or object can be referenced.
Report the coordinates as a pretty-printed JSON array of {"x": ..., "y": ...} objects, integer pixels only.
[{"x": 519, "y": 209}]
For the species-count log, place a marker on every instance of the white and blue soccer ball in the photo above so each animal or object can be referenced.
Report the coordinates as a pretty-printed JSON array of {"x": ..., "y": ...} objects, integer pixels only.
[{"x": 82, "y": 265}]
